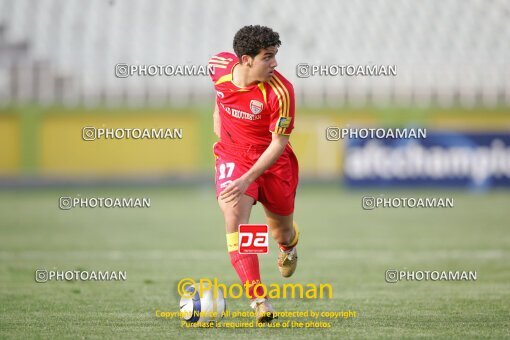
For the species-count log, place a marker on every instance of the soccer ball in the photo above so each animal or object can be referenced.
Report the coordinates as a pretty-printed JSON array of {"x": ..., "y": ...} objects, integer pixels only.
[{"x": 205, "y": 309}]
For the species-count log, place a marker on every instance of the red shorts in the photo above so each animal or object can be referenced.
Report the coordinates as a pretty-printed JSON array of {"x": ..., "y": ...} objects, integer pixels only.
[{"x": 275, "y": 188}]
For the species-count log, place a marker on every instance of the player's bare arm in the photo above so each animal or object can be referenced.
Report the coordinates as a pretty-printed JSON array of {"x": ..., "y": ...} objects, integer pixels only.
[{"x": 233, "y": 192}]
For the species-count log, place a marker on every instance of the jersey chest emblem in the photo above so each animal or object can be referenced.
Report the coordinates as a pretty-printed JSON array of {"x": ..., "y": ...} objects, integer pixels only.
[{"x": 256, "y": 106}]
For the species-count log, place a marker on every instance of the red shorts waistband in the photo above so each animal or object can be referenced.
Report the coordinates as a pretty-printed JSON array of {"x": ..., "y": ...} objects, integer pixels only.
[{"x": 243, "y": 147}]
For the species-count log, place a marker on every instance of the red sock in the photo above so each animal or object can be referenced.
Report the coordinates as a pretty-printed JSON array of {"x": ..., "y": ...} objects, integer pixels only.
[{"x": 246, "y": 266}]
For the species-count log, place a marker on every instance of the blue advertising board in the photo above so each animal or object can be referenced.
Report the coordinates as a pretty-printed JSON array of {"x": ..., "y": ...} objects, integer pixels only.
[{"x": 455, "y": 159}]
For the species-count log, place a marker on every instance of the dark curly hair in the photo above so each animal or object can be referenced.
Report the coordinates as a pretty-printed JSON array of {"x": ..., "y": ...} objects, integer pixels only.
[{"x": 249, "y": 40}]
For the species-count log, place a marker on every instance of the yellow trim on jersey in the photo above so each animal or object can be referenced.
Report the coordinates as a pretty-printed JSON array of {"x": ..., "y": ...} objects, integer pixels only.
[
  {"x": 224, "y": 79},
  {"x": 263, "y": 89},
  {"x": 283, "y": 134},
  {"x": 286, "y": 93},
  {"x": 278, "y": 95},
  {"x": 287, "y": 96},
  {"x": 283, "y": 99},
  {"x": 283, "y": 95},
  {"x": 280, "y": 100}
]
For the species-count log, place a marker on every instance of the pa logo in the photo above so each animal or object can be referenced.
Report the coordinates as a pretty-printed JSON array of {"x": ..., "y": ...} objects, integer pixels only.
[{"x": 253, "y": 239}]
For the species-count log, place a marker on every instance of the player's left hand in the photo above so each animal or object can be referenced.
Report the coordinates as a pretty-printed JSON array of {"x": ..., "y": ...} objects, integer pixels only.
[{"x": 234, "y": 191}]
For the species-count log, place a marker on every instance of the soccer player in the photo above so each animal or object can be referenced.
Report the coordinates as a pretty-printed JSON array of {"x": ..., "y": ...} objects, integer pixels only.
[{"x": 253, "y": 118}]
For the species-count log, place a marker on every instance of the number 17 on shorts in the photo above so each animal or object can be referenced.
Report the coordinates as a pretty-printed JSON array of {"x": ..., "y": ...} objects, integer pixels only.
[
  {"x": 225, "y": 173},
  {"x": 253, "y": 239}
]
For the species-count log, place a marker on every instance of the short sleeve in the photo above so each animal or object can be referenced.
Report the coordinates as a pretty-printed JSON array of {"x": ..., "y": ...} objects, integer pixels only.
[
  {"x": 282, "y": 106},
  {"x": 220, "y": 65}
]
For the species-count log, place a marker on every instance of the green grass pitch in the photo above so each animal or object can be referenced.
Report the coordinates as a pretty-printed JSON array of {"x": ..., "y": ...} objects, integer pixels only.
[{"x": 182, "y": 235}]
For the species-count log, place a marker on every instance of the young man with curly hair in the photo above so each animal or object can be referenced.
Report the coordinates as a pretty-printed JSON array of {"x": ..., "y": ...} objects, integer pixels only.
[{"x": 253, "y": 118}]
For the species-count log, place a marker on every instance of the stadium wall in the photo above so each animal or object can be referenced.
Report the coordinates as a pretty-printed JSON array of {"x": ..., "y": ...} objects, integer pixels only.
[{"x": 47, "y": 143}]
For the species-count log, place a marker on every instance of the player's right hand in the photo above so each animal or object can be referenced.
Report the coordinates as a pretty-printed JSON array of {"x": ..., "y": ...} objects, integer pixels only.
[{"x": 234, "y": 191}]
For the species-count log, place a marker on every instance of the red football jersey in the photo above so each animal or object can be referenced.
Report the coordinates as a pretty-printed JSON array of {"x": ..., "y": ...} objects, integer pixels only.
[{"x": 251, "y": 114}]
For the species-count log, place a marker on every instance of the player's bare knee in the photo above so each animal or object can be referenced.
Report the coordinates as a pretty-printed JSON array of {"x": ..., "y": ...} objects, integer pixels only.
[
  {"x": 232, "y": 225},
  {"x": 233, "y": 217}
]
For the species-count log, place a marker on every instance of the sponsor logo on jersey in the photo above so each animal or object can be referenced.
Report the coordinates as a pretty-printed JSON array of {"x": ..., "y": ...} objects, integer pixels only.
[{"x": 240, "y": 114}]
